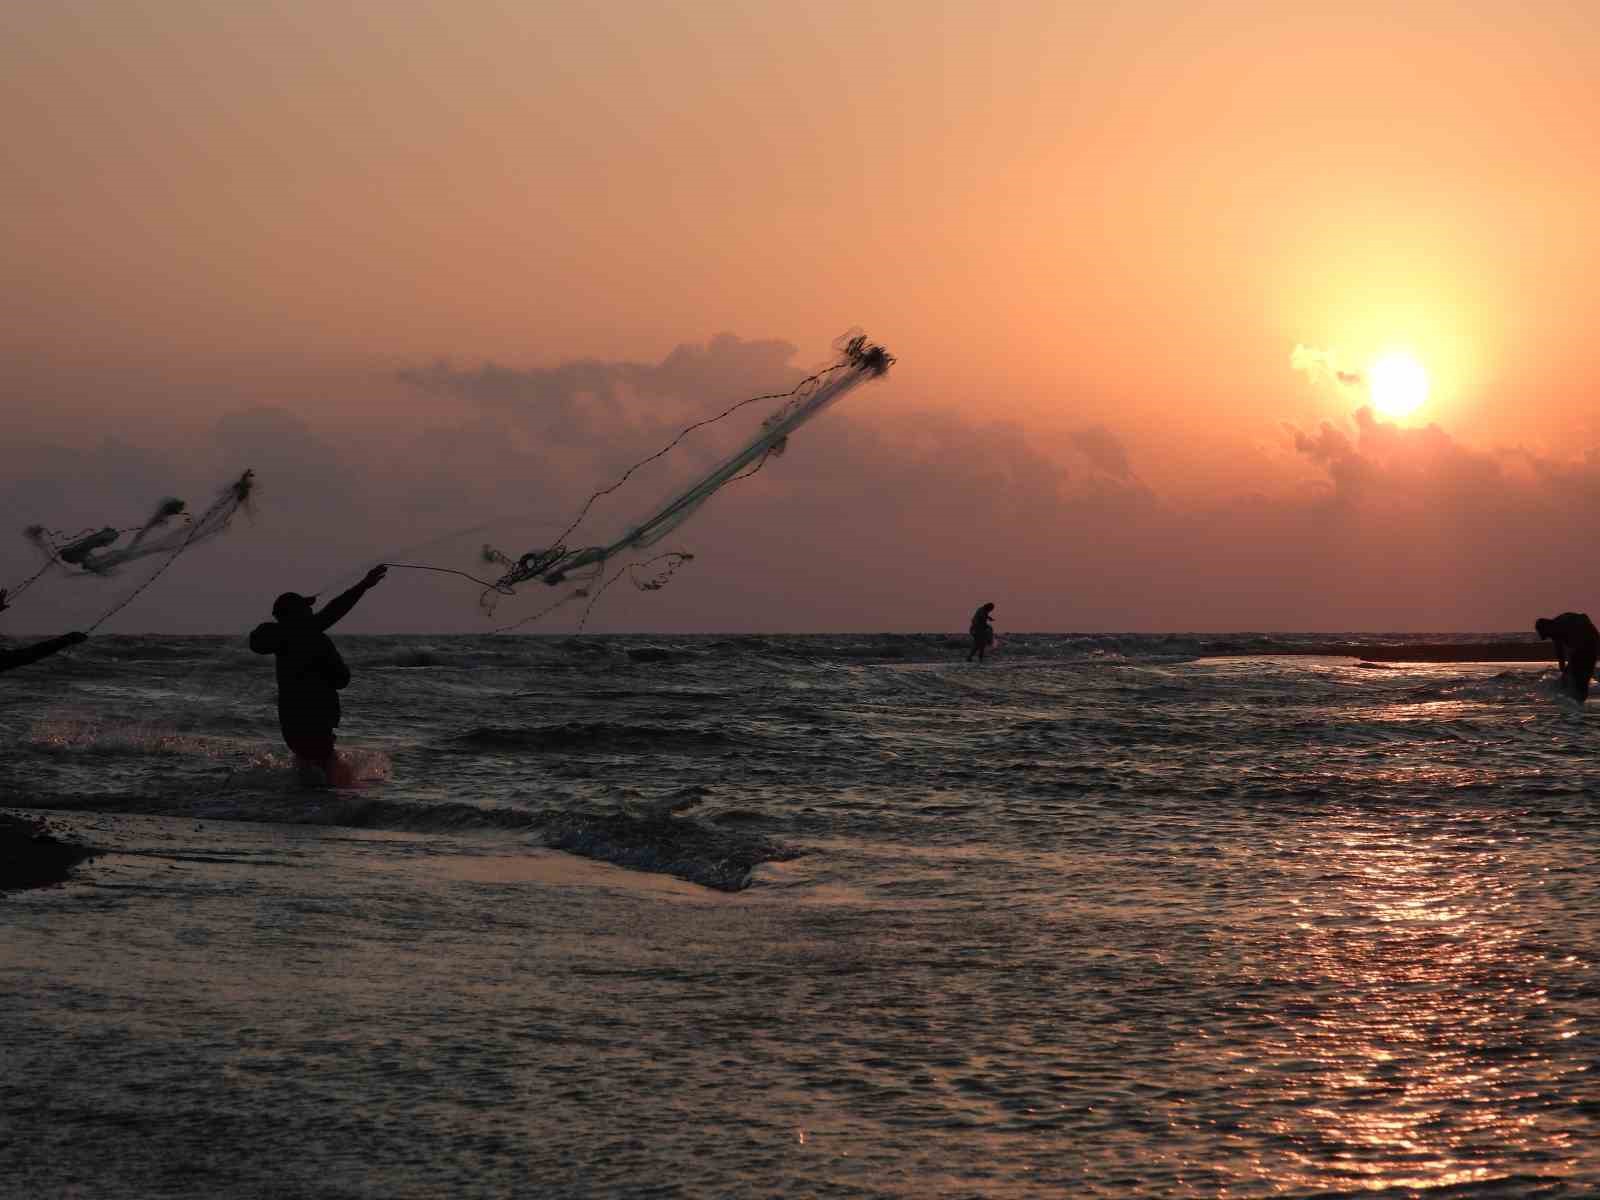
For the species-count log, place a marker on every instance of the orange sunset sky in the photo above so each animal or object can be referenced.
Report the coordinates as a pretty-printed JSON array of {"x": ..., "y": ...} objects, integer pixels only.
[{"x": 438, "y": 267}]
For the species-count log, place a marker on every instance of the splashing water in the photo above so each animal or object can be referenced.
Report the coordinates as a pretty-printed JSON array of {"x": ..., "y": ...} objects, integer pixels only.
[
  {"x": 69, "y": 735},
  {"x": 273, "y": 770}
]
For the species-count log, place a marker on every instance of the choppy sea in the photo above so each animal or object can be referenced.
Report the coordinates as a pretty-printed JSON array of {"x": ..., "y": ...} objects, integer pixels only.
[{"x": 1117, "y": 916}]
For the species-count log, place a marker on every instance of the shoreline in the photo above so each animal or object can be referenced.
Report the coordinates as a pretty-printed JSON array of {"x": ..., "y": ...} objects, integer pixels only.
[{"x": 1462, "y": 652}]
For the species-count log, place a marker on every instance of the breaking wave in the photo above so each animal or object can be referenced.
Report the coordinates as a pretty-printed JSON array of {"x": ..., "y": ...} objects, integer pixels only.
[{"x": 706, "y": 854}]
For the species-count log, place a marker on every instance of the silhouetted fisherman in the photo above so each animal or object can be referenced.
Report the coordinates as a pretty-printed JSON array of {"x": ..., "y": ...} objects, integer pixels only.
[
  {"x": 982, "y": 632},
  {"x": 1577, "y": 646},
  {"x": 33, "y": 653},
  {"x": 310, "y": 669}
]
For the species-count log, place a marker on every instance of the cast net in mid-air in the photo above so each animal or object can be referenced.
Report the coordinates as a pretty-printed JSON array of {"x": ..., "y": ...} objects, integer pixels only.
[
  {"x": 169, "y": 530},
  {"x": 583, "y": 570}
]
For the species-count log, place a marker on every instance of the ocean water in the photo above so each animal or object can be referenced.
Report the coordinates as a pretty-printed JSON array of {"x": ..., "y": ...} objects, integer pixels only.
[{"x": 1106, "y": 916}]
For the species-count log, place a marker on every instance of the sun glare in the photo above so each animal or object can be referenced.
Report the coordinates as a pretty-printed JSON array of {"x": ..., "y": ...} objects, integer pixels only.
[{"x": 1398, "y": 384}]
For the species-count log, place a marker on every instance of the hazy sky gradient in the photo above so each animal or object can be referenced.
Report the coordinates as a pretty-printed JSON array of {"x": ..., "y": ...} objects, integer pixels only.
[{"x": 428, "y": 266}]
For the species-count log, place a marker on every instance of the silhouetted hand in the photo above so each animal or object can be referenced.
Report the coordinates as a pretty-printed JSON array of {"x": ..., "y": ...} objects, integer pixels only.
[
  {"x": 375, "y": 576},
  {"x": 3, "y": 604},
  {"x": 75, "y": 637}
]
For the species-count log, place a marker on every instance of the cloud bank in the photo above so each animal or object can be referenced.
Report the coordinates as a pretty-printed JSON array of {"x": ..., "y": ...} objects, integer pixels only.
[{"x": 888, "y": 513}]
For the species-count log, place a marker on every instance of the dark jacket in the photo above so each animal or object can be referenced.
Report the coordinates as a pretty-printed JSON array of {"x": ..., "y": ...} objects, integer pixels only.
[
  {"x": 33, "y": 653},
  {"x": 311, "y": 671}
]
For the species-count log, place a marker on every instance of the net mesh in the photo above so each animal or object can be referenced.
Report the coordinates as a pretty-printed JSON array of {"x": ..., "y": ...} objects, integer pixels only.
[{"x": 582, "y": 569}]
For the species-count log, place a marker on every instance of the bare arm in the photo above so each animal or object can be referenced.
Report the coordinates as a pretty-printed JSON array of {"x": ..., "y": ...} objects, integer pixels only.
[
  {"x": 33, "y": 653},
  {"x": 1559, "y": 645},
  {"x": 339, "y": 607}
]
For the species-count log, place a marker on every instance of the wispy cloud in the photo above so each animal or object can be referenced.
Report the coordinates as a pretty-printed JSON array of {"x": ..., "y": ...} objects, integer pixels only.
[{"x": 1325, "y": 367}]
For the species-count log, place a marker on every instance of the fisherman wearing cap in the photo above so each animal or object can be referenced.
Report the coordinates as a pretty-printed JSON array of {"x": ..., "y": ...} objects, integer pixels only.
[{"x": 310, "y": 669}]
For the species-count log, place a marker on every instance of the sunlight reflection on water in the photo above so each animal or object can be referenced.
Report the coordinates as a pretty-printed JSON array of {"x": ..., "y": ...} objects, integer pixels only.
[{"x": 1409, "y": 1047}]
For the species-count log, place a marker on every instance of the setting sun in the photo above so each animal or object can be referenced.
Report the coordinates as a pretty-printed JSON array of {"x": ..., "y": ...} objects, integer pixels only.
[{"x": 1398, "y": 383}]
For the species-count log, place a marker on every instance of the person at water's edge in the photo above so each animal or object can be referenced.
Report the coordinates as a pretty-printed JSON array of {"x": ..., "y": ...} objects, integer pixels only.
[
  {"x": 33, "y": 653},
  {"x": 1577, "y": 647},
  {"x": 310, "y": 669},
  {"x": 982, "y": 631}
]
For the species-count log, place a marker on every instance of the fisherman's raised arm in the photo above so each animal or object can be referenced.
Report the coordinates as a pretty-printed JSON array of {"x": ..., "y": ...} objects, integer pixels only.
[
  {"x": 33, "y": 653},
  {"x": 339, "y": 607}
]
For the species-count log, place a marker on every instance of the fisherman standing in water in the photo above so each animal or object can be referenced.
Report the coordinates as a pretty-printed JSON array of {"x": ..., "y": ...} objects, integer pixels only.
[
  {"x": 1577, "y": 646},
  {"x": 310, "y": 669},
  {"x": 982, "y": 632}
]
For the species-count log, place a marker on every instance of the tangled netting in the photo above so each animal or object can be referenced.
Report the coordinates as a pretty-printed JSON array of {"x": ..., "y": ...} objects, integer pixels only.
[
  {"x": 584, "y": 568},
  {"x": 170, "y": 530}
]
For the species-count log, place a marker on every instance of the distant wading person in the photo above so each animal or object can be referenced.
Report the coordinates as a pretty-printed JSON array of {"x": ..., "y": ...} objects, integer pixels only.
[
  {"x": 982, "y": 632},
  {"x": 310, "y": 670},
  {"x": 1577, "y": 646},
  {"x": 33, "y": 653}
]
